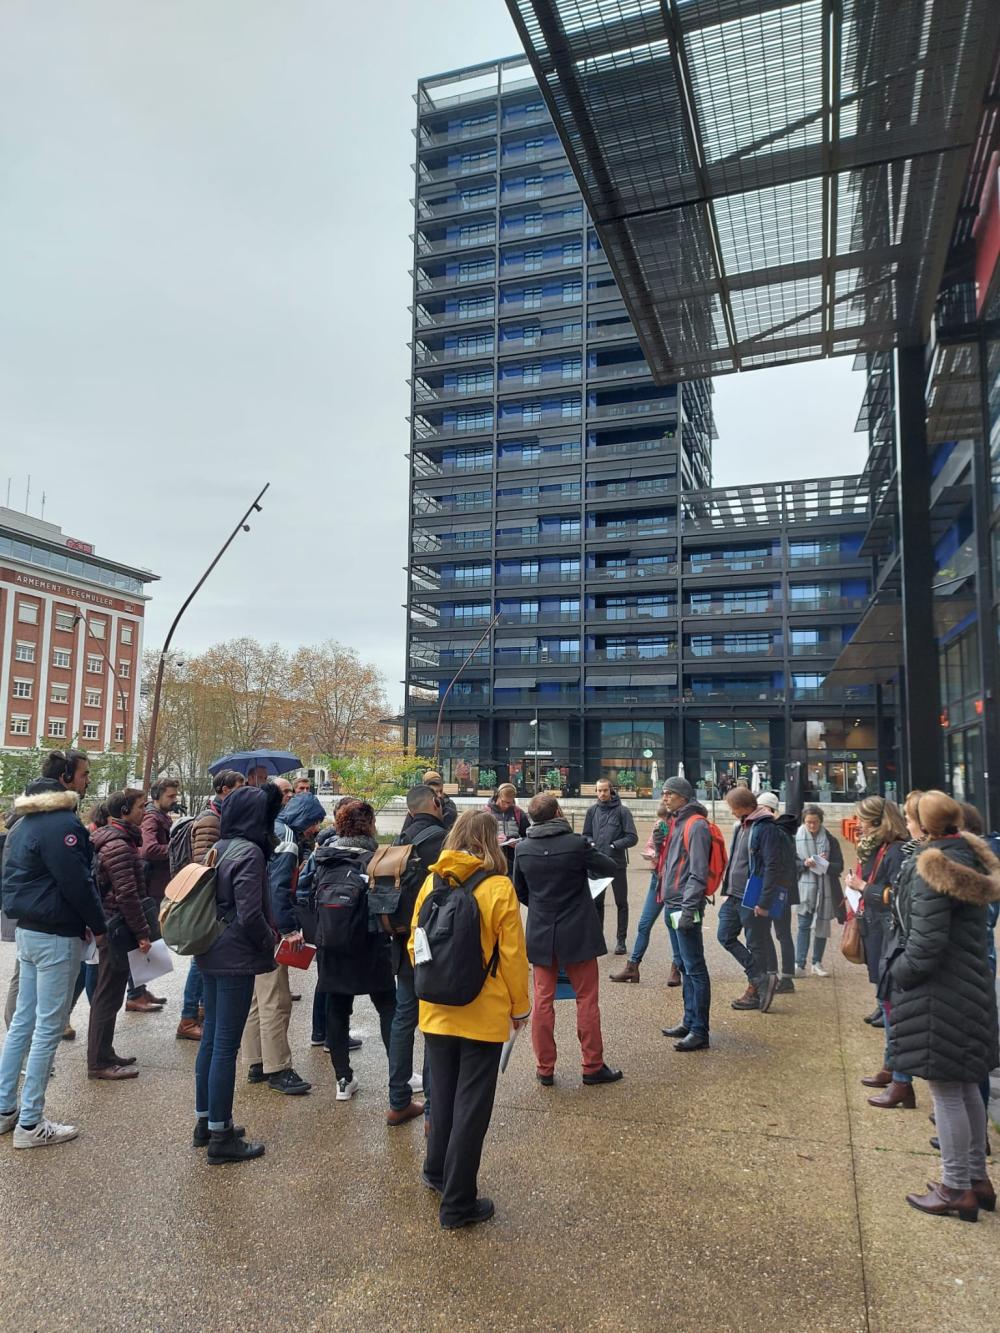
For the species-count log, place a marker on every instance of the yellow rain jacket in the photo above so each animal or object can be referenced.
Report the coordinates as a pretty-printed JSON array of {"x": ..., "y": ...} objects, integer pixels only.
[{"x": 504, "y": 996}]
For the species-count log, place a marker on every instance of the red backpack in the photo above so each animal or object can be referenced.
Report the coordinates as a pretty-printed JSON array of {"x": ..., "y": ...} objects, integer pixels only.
[{"x": 717, "y": 855}]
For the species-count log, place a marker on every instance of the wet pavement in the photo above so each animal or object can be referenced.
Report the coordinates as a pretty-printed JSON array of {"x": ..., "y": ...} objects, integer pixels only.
[{"x": 748, "y": 1187}]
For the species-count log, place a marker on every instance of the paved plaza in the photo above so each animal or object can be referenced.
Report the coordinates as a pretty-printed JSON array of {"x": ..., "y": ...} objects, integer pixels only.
[{"x": 747, "y": 1188}]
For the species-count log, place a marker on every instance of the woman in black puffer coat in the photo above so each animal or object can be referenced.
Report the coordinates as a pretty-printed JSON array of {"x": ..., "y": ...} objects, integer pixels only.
[{"x": 944, "y": 1012}]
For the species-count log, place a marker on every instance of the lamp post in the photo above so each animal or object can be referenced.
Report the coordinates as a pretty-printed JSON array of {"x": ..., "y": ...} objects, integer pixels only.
[
  {"x": 80, "y": 616},
  {"x": 534, "y": 724},
  {"x": 154, "y": 715},
  {"x": 437, "y": 730}
]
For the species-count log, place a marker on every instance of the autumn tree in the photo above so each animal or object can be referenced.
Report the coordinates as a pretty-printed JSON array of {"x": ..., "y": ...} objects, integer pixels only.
[
  {"x": 337, "y": 701},
  {"x": 250, "y": 681},
  {"x": 376, "y": 771}
]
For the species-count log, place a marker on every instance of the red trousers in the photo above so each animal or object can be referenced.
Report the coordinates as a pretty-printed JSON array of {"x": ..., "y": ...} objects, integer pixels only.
[{"x": 584, "y": 977}]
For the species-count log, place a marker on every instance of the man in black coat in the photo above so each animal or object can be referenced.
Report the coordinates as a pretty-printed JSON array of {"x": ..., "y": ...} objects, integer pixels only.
[
  {"x": 552, "y": 866},
  {"x": 425, "y": 832},
  {"x": 611, "y": 827}
]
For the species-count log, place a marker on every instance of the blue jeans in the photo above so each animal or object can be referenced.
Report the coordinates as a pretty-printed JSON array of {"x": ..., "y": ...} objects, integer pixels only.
[
  {"x": 404, "y": 1025},
  {"x": 651, "y": 909},
  {"x": 697, "y": 984},
  {"x": 227, "y": 1006},
  {"x": 194, "y": 992},
  {"x": 49, "y": 966},
  {"x": 728, "y": 934},
  {"x": 806, "y": 920}
]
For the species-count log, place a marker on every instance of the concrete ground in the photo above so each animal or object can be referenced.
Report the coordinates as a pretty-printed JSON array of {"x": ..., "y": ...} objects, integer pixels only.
[{"x": 746, "y": 1188}]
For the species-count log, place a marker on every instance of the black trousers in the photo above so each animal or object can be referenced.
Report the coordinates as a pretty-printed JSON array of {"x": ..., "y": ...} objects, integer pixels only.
[
  {"x": 112, "y": 979},
  {"x": 464, "y": 1079},
  {"x": 763, "y": 957},
  {"x": 619, "y": 887},
  {"x": 783, "y": 931},
  {"x": 338, "y": 1026}
]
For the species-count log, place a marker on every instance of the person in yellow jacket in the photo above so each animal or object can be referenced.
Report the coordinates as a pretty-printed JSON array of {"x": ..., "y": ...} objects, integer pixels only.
[{"x": 463, "y": 1042}]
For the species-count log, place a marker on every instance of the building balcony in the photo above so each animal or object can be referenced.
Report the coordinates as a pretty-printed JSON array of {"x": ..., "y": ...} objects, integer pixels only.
[
  {"x": 625, "y": 616},
  {"x": 515, "y": 190},
  {"x": 798, "y": 605},
  {"x": 506, "y": 658},
  {"x": 630, "y": 370},
  {"x": 443, "y": 317},
  {"x": 425, "y": 247},
  {"x": 639, "y": 408},
  {"x": 632, "y": 654},
  {"x": 478, "y": 696},
  {"x": 539, "y": 617},
  {"x": 600, "y": 696},
  {"x": 625, "y": 573},
  {"x": 449, "y": 543},
  {"x": 440, "y": 349},
  {"x": 513, "y": 155},
  {"x": 442, "y": 173},
  {"x": 539, "y": 456},
  {"x": 531, "y": 335},
  {"x": 513, "y": 304},
  {"x": 429, "y": 392},
  {"x": 429, "y": 463},
  {"x": 823, "y": 559},
  {"x": 516, "y": 264},
  {"x": 749, "y": 564},
  {"x": 477, "y": 621},
  {"x": 719, "y": 692},
  {"x": 429, "y": 137},
  {"x": 435, "y": 427},
  {"x": 433, "y": 506},
  {"x": 457, "y": 585},
  {"x": 537, "y": 537},
  {"x": 632, "y": 531},
  {"x": 542, "y": 576},
  {"x": 440, "y": 282},
  {"x": 826, "y": 648},
  {"x": 455, "y": 205},
  {"x": 630, "y": 448},
  {"x": 832, "y": 694},
  {"x": 552, "y": 379},
  {"x": 764, "y": 606},
  {"x": 720, "y": 652},
  {"x": 534, "y": 499},
  {"x": 553, "y": 222},
  {"x": 599, "y": 492}
]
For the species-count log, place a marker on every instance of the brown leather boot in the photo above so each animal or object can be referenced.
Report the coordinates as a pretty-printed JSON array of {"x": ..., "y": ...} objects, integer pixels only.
[
  {"x": 675, "y": 975},
  {"x": 189, "y": 1029},
  {"x": 750, "y": 999},
  {"x": 986, "y": 1194},
  {"x": 630, "y": 972},
  {"x": 880, "y": 1080},
  {"x": 942, "y": 1200},
  {"x": 896, "y": 1094}
]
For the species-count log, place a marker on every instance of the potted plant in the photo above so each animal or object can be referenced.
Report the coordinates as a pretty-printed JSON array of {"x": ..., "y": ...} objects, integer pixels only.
[
  {"x": 487, "y": 781},
  {"x": 626, "y": 782},
  {"x": 553, "y": 781}
]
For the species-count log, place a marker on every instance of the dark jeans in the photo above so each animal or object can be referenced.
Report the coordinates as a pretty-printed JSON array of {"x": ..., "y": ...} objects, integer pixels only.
[
  {"x": 697, "y": 985},
  {"x": 338, "y": 1026},
  {"x": 404, "y": 1025},
  {"x": 619, "y": 887},
  {"x": 464, "y": 1074},
  {"x": 90, "y": 981},
  {"x": 194, "y": 992},
  {"x": 783, "y": 930},
  {"x": 319, "y": 1017},
  {"x": 227, "y": 1006},
  {"x": 728, "y": 934},
  {"x": 112, "y": 978},
  {"x": 763, "y": 957}
]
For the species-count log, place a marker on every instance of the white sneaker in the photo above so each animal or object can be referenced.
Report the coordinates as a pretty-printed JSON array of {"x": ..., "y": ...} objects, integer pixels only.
[
  {"x": 44, "y": 1135},
  {"x": 801, "y": 972},
  {"x": 416, "y": 1083},
  {"x": 818, "y": 971},
  {"x": 345, "y": 1089},
  {"x": 7, "y": 1122},
  {"x": 356, "y": 1036}
]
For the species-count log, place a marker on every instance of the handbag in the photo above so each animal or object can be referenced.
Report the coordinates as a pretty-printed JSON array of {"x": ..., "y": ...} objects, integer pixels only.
[{"x": 852, "y": 944}]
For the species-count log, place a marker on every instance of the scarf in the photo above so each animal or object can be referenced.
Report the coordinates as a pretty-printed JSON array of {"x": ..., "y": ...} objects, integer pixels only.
[{"x": 868, "y": 844}]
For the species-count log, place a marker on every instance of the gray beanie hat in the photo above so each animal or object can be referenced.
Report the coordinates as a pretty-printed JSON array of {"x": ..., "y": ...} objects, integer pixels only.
[{"x": 679, "y": 786}]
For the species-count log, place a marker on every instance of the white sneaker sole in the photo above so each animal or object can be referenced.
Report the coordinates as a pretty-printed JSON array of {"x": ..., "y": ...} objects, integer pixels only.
[{"x": 346, "y": 1096}]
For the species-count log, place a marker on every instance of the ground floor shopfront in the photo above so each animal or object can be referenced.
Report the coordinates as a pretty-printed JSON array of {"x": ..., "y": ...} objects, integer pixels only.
[{"x": 839, "y": 756}]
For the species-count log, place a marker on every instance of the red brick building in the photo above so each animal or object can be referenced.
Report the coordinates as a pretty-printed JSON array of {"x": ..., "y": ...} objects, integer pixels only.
[{"x": 70, "y": 640}]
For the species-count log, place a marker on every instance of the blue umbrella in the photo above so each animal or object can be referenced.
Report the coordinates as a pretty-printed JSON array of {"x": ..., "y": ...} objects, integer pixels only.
[{"x": 275, "y": 761}]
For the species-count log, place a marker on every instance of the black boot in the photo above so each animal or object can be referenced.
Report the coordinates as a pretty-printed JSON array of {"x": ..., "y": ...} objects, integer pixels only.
[
  {"x": 225, "y": 1146},
  {"x": 202, "y": 1134}
]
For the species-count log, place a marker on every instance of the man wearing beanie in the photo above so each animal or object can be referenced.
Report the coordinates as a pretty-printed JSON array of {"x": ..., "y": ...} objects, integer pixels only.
[{"x": 685, "y": 875}]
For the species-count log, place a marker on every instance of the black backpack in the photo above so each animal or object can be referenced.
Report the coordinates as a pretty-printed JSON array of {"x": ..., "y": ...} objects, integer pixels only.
[
  {"x": 341, "y": 903},
  {"x": 179, "y": 849},
  {"x": 449, "y": 917}
]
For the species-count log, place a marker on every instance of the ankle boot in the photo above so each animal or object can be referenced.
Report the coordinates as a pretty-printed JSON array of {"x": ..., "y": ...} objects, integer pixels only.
[
  {"x": 630, "y": 972},
  {"x": 942, "y": 1200},
  {"x": 985, "y": 1194},
  {"x": 880, "y": 1080},
  {"x": 896, "y": 1094},
  {"x": 225, "y": 1146},
  {"x": 675, "y": 975},
  {"x": 750, "y": 999}
]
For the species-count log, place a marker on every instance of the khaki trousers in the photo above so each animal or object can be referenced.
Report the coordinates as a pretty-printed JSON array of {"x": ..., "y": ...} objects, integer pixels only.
[{"x": 265, "y": 1037}]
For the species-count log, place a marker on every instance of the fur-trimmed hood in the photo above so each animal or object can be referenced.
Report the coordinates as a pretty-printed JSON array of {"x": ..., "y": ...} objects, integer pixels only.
[
  {"x": 963, "y": 868},
  {"x": 45, "y": 802}
]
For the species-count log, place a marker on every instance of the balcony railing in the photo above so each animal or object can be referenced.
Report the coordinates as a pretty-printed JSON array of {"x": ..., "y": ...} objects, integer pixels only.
[
  {"x": 723, "y": 693},
  {"x": 629, "y": 448},
  {"x": 825, "y": 648},
  {"x": 540, "y": 617},
  {"x": 763, "y": 606},
  {"x": 549, "y": 338},
  {"x": 511, "y": 193},
  {"x": 425, "y": 355},
  {"x": 641, "y": 487},
  {"x": 799, "y": 604},
  {"x": 442, "y": 245},
  {"x": 624, "y": 615},
  {"x": 630, "y": 370},
  {"x": 423, "y": 429},
  {"x": 618, "y": 574},
  {"x": 722, "y": 652},
  {"x": 549, "y": 380},
  {"x": 823, "y": 558},
  {"x": 737, "y": 565},
  {"x": 430, "y": 394},
  {"x": 445, "y": 281},
  {"x": 608, "y": 331},
  {"x": 455, "y": 171},
  {"x": 570, "y": 453},
  {"x": 622, "y": 531},
  {"x": 429, "y": 543},
  {"x": 831, "y": 693},
  {"x": 536, "y": 537},
  {"x": 455, "y": 205},
  {"x": 596, "y": 696},
  {"x": 456, "y": 585},
  {"x": 631, "y": 654},
  {"x": 427, "y": 506},
  {"x": 541, "y": 576},
  {"x": 550, "y": 225},
  {"x": 459, "y": 622},
  {"x": 535, "y": 657},
  {"x": 643, "y": 407},
  {"x": 432, "y": 319},
  {"x": 569, "y": 496}
]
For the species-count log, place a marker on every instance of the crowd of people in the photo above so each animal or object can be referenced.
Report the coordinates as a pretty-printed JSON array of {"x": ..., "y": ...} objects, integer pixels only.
[{"x": 471, "y": 924}]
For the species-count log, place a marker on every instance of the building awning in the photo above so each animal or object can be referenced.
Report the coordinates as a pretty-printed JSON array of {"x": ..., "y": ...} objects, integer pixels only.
[
  {"x": 514, "y": 683},
  {"x": 604, "y": 682},
  {"x": 875, "y": 651},
  {"x": 772, "y": 180}
]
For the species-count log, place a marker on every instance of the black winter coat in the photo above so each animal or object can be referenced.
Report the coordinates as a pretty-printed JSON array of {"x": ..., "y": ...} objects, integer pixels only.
[
  {"x": 611, "y": 826},
  {"x": 944, "y": 1010},
  {"x": 551, "y": 868},
  {"x": 242, "y": 891},
  {"x": 371, "y": 969}
]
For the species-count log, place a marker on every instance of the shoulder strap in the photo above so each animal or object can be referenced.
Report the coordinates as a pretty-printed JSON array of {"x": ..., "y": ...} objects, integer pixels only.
[{"x": 424, "y": 837}]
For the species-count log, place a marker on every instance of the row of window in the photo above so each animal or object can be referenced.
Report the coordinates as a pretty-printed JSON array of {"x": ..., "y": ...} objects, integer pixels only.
[
  {"x": 68, "y": 564},
  {"x": 27, "y": 614},
  {"x": 534, "y": 223},
  {"x": 20, "y": 725},
  {"x": 62, "y": 658},
  {"x": 58, "y": 694}
]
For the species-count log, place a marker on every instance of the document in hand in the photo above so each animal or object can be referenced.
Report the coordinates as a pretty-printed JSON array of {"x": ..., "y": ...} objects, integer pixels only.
[
  {"x": 821, "y": 864},
  {"x": 508, "y": 1047},
  {"x": 597, "y": 886},
  {"x": 853, "y": 899},
  {"x": 146, "y": 967}
]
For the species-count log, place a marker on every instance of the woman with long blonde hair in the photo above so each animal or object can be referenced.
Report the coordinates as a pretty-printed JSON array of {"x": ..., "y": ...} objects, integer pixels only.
[{"x": 464, "y": 1041}]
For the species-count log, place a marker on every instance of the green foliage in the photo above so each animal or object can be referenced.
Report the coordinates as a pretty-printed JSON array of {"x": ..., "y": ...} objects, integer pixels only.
[
  {"x": 626, "y": 779},
  {"x": 553, "y": 779},
  {"x": 377, "y": 772},
  {"x": 487, "y": 778}
]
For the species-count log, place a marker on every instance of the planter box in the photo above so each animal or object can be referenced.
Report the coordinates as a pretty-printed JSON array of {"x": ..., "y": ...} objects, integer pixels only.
[{"x": 485, "y": 791}]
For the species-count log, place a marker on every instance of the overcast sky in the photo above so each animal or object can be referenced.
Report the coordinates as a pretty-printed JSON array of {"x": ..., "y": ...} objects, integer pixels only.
[{"x": 204, "y": 254}]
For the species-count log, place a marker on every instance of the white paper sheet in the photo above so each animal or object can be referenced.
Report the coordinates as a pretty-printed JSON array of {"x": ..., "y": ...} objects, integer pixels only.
[
  {"x": 853, "y": 899},
  {"x": 89, "y": 952},
  {"x": 146, "y": 967},
  {"x": 599, "y": 885},
  {"x": 822, "y": 865}
]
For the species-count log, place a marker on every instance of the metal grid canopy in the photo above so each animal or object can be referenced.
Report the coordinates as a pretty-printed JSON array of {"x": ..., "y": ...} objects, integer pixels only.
[{"x": 772, "y": 180}]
